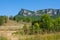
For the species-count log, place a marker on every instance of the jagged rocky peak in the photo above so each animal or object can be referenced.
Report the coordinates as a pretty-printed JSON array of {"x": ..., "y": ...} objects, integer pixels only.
[
  {"x": 25, "y": 12},
  {"x": 50, "y": 11}
]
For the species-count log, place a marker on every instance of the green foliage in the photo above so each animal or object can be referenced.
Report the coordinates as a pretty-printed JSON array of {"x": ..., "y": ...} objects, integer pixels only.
[
  {"x": 42, "y": 24},
  {"x": 47, "y": 24},
  {"x": 45, "y": 21},
  {"x": 36, "y": 28},
  {"x": 57, "y": 24},
  {"x": 3, "y": 19},
  {"x": 26, "y": 18}
]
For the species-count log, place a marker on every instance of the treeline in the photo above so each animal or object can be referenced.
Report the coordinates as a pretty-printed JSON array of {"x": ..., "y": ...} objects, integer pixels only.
[{"x": 25, "y": 18}]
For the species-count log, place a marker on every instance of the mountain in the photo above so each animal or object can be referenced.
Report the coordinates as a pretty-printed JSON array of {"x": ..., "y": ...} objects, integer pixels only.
[
  {"x": 50, "y": 11},
  {"x": 25, "y": 12}
]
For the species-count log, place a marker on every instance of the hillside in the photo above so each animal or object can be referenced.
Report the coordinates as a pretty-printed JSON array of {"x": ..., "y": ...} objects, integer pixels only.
[{"x": 13, "y": 25}]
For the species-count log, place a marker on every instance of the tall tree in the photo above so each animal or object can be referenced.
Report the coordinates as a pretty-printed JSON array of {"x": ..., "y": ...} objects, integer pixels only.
[
  {"x": 57, "y": 24},
  {"x": 45, "y": 22}
]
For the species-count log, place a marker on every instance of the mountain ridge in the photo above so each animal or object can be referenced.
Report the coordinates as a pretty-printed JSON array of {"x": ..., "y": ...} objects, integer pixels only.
[{"x": 51, "y": 12}]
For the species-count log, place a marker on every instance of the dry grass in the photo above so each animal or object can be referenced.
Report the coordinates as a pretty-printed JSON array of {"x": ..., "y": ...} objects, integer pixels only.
[
  {"x": 9, "y": 36},
  {"x": 41, "y": 37}
]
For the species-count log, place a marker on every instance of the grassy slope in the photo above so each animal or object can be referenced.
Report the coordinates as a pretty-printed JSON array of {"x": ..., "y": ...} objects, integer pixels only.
[
  {"x": 11, "y": 24},
  {"x": 41, "y": 37}
]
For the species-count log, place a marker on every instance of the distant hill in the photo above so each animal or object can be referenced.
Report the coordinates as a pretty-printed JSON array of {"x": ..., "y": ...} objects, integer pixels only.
[{"x": 50, "y": 11}]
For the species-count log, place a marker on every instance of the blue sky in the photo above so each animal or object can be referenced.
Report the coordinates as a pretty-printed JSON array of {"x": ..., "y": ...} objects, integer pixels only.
[{"x": 12, "y": 7}]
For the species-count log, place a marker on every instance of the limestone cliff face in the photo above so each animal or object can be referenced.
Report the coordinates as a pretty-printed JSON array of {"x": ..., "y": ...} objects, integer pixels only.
[
  {"x": 51, "y": 12},
  {"x": 25, "y": 12}
]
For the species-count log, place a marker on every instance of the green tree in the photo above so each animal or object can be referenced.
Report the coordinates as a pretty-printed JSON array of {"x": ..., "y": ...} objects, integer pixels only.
[
  {"x": 36, "y": 28},
  {"x": 45, "y": 22},
  {"x": 57, "y": 24},
  {"x": 1, "y": 20}
]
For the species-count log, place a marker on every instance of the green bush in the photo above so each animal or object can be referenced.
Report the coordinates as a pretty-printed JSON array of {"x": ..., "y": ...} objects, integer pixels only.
[{"x": 3, "y": 19}]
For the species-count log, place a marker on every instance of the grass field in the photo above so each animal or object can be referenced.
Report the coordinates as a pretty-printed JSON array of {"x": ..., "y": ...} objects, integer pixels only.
[
  {"x": 52, "y": 36},
  {"x": 9, "y": 36}
]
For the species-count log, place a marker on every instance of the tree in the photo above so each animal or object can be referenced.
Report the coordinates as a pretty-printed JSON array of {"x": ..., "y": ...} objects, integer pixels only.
[
  {"x": 45, "y": 22},
  {"x": 36, "y": 28},
  {"x": 57, "y": 24},
  {"x": 1, "y": 20}
]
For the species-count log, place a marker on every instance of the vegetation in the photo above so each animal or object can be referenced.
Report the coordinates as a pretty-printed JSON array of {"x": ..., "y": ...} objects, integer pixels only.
[
  {"x": 41, "y": 37},
  {"x": 26, "y": 18},
  {"x": 3, "y": 19},
  {"x": 45, "y": 24},
  {"x": 39, "y": 25}
]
